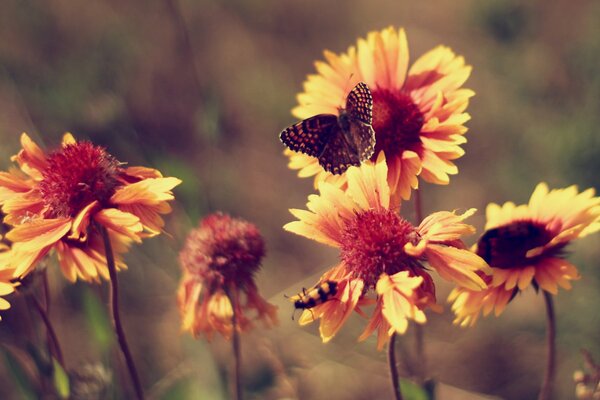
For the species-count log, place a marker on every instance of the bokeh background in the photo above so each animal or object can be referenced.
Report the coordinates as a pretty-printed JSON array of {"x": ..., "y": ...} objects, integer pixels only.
[{"x": 201, "y": 89}]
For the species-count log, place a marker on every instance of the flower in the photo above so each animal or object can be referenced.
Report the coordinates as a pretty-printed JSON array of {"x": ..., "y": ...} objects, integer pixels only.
[
  {"x": 219, "y": 261},
  {"x": 6, "y": 275},
  {"x": 418, "y": 112},
  {"x": 525, "y": 245},
  {"x": 60, "y": 201},
  {"x": 383, "y": 253}
]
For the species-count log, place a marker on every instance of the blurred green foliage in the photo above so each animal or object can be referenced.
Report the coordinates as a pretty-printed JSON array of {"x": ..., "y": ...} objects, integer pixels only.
[{"x": 122, "y": 75}]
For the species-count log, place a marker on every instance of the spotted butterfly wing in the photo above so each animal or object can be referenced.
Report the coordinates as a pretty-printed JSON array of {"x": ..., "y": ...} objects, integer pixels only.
[
  {"x": 310, "y": 135},
  {"x": 338, "y": 142}
]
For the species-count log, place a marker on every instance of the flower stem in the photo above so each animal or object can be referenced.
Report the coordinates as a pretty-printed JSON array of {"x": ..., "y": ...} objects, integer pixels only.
[
  {"x": 547, "y": 385},
  {"x": 237, "y": 377},
  {"x": 394, "y": 368},
  {"x": 53, "y": 344},
  {"x": 114, "y": 306}
]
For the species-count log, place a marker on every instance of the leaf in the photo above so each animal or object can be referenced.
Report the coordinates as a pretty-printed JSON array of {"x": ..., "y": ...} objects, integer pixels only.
[
  {"x": 97, "y": 320},
  {"x": 20, "y": 376},
  {"x": 412, "y": 391},
  {"x": 61, "y": 380}
]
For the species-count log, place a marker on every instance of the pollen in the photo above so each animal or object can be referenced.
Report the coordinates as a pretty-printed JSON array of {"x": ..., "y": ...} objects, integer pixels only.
[
  {"x": 507, "y": 246},
  {"x": 373, "y": 243},
  {"x": 397, "y": 122},
  {"x": 77, "y": 175}
]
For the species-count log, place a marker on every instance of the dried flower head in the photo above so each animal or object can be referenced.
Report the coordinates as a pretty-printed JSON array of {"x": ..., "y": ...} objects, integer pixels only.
[
  {"x": 219, "y": 261},
  {"x": 59, "y": 201}
]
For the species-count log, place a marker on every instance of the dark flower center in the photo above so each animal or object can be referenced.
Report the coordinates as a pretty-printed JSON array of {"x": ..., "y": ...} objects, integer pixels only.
[
  {"x": 223, "y": 251},
  {"x": 507, "y": 246},
  {"x": 397, "y": 122},
  {"x": 373, "y": 243},
  {"x": 77, "y": 175}
]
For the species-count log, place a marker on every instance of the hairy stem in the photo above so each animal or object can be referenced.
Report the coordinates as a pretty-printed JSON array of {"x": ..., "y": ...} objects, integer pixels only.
[
  {"x": 548, "y": 383},
  {"x": 394, "y": 367},
  {"x": 114, "y": 306}
]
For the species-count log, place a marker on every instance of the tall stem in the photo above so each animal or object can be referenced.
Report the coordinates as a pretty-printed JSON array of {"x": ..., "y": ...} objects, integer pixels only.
[
  {"x": 548, "y": 384},
  {"x": 53, "y": 344},
  {"x": 237, "y": 376},
  {"x": 114, "y": 306},
  {"x": 394, "y": 367}
]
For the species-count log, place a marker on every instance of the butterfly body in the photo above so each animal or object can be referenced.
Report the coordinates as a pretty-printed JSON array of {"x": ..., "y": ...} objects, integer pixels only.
[{"x": 337, "y": 141}]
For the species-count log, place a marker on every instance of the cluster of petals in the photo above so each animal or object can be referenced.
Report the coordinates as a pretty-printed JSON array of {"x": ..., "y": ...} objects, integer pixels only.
[
  {"x": 524, "y": 246},
  {"x": 60, "y": 202},
  {"x": 219, "y": 260},
  {"x": 418, "y": 111},
  {"x": 396, "y": 272}
]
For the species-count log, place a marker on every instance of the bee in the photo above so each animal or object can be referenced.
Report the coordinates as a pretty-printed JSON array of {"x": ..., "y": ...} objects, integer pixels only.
[{"x": 322, "y": 292}]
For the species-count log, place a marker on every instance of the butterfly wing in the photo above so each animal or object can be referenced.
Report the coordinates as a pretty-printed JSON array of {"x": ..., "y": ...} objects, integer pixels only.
[
  {"x": 363, "y": 137},
  {"x": 311, "y": 135},
  {"x": 359, "y": 104},
  {"x": 338, "y": 154}
]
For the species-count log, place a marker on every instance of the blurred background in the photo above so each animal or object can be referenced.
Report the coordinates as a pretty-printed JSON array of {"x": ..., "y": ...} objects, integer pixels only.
[{"x": 201, "y": 89}]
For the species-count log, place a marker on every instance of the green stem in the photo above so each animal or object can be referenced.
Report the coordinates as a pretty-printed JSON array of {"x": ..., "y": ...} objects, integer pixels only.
[
  {"x": 53, "y": 344},
  {"x": 548, "y": 383},
  {"x": 237, "y": 354},
  {"x": 394, "y": 367},
  {"x": 114, "y": 306}
]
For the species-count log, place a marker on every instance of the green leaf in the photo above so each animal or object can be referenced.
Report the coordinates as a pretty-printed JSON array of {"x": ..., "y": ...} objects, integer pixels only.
[
  {"x": 412, "y": 391},
  {"x": 19, "y": 376},
  {"x": 61, "y": 380},
  {"x": 97, "y": 320}
]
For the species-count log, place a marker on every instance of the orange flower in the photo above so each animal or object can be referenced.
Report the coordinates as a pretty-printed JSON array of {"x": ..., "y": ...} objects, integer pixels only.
[
  {"x": 418, "y": 112},
  {"x": 6, "y": 275},
  {"x": 524, "y": 246},
  {"x": 219, "y": 261},
  {"x": 382, "y": 252},
  {"x": 58, "y": 201}
]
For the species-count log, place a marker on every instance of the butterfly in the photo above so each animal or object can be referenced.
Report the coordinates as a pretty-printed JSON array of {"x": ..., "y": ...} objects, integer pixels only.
[{"x": 337, "y": 141}]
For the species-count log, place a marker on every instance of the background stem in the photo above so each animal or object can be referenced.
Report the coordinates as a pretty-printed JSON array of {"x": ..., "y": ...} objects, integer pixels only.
[
  {"x": 237, "y": 377},
  {"x": 548, "y": 383}
]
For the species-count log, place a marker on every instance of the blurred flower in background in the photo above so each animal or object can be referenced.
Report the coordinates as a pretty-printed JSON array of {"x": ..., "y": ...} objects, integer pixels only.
[
  {"x": 219, "y": 261},
  {"x": 380, "y": 251},
  {"x": 525, "y": 246},
  {"x": 418, "y": 112},
  {"x": 61, "y": 200},
  {"x": 6, "y": 276}
]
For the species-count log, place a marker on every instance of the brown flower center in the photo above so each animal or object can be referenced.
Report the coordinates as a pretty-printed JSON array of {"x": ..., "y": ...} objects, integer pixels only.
[
  {"x": 77, "y": 175},
  {"x": 397, "y": 122},
  {"x": 373, "y": 243},
  {"x": 507, "y": 246}
]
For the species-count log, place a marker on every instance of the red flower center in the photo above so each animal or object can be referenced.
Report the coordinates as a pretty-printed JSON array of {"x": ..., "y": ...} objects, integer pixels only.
[
  {"x": 397, "y": 122},
  {"x": 507, "y": 246},
  {"x": 77, "y": 175},
  {"x": 373, "y": 243}
]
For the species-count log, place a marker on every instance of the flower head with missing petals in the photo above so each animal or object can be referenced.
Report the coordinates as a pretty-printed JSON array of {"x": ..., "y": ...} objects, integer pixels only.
[
  {"x": 219, "y": 261},
  {"x": 382, "y": 253},
  {"x": 524, "y": 246},
  {"x": 59, "y": 201},
  {"x": 418, "y": 112}
]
